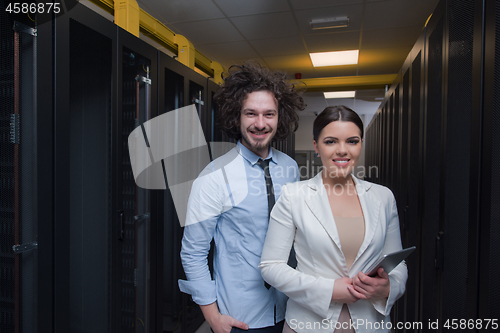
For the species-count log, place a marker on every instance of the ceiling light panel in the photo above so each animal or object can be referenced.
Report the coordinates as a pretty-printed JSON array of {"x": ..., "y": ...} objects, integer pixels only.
[
  {"x": 352, "y": 10},
  {"x": 340, "y": 94},
  {"x": 338, "y": 58},
  {"x": 330, "y": 23},
  {"x": 314, "y": 4}
]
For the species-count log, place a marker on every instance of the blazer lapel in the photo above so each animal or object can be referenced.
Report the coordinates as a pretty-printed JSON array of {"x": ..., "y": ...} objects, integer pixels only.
[
  {"x": 371, "y": 211},
  {"x": 317, "y": 202}
]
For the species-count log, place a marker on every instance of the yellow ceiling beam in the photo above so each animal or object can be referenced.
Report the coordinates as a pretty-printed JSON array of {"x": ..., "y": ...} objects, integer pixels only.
[
  {"x": 343, "y": 83},
  {"x": 107, "y": 5},
  {"x": 185, "y": 51},
  {"x": 203, "y": 62},
  {"x": 153, "y": 28},
  {"x": 127, "y": 15},
  {"x": 218, "y": 70}
]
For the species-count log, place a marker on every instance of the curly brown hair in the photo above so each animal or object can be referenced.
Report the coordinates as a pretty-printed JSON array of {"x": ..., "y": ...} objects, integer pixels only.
[{"x": 244, "y": 79}]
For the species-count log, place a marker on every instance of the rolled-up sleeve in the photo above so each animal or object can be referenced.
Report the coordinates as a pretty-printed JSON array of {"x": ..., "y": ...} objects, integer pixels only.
[
  {"x": 204, "y": 209},
  {"x": 312, "y": 292}
]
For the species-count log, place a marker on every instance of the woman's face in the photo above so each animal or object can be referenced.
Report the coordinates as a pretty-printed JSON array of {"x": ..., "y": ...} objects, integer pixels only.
[{"x": 339, "y": 146}]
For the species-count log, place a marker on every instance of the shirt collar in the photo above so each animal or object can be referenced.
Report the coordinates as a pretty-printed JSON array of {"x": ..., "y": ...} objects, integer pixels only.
[{"x": 251, "y": 157}]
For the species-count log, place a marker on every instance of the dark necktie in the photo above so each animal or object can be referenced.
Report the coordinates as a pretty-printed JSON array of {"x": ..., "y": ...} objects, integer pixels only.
[{"x": 264, "y": 164}]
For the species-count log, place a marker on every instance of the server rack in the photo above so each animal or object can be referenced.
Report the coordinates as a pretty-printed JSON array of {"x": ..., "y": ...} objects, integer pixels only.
[
  {"x": 444, "y": 118},
  {"x": 171, "y": 87},
  {"x": 19, "y": 200},
  {"x": 46, "y": 188},
  {"x": 179, "y": 88},
  {"x": 454, "y": 242},
  {"x": 397, "y": 128},
  {"x": 108, "y": 252},
  {"x": 488, "y": 124},
  {"x": 431, "y": 166},
  {"x": 136, "y": 211}
]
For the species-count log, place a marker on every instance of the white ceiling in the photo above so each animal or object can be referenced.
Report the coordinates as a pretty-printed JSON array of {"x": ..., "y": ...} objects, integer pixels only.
[{"x": 277, "y": 34}]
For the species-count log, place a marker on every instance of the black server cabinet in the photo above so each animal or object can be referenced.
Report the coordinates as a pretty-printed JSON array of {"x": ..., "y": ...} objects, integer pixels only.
[
  {"x": 19, "y": 173},
  {"x": 402, "y": 163},
  {"x": 414, "y": 183},
  {"x": 83, "y": 92},
  {"x": 45, "y": 164},
  {"x": 409, "y": 198},
  {"x": 198, "y": 94},
  {"x": 379, "y": 145},
  {"x": 388, "y": 140},
  {"x": 105, "y": 244},
  {"x": 395, "y": 141},
  {"x": 432, "y": 163},
  {"x": 447, "y": 184},
  {"x": 89, "y": 131},
  {"x": 454, "y": 244},
  {"x": 488, "y": 208},
  {"x": 99, "y": 253},
  {"x": 171, "y": 97},
  {"x": 136, "y": 213},
  {"x": 383, "y": 144},
  {"x": 144, "y": 231},
  {"x": 179, "y": 87}
]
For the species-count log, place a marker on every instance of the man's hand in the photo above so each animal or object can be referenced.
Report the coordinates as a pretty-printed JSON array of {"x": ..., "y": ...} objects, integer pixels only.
[
  {"x": 367, "y": 287},
  {"x": 218, "y": 322},
  {"x": 224, "y": 324},
  {"x": 341, "y": 293}
]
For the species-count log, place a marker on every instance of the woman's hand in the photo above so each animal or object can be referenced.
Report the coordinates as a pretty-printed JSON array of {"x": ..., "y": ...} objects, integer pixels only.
[
  {"x": 341, "y": 293},
  {"x": 366, "y": 287}
]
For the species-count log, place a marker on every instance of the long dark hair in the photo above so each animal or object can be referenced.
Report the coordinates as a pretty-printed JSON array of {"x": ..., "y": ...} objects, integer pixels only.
[
  {"x": 250, "y": 77},
  {"x": 335, "y": 113}
]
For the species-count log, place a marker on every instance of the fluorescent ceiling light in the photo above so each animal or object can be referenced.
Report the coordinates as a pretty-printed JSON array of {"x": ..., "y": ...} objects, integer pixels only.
[
  {"x": 339, "y": 58},
  {"x": 329, "y": 23},
  {"x": 340, "y": 94}
]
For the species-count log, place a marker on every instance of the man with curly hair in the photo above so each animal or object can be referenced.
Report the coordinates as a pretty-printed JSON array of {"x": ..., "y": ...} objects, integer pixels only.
[{"x": 231, "y": 205}]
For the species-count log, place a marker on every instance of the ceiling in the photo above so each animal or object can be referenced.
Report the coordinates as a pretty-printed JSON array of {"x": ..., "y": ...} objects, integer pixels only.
[{"x": 277, "y": 34}]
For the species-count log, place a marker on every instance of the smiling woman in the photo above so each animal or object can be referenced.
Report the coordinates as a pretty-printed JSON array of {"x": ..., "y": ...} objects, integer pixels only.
[
  {"x": 345, "y": 224},
  {"x": 338, "y": 138}
]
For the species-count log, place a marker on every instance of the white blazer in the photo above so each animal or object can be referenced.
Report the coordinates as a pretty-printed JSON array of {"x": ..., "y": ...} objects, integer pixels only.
[{"x": 303, "y": 216}]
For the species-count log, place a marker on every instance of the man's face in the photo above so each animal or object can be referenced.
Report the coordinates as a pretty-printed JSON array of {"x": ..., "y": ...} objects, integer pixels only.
[{"x": 259, "y": 121}]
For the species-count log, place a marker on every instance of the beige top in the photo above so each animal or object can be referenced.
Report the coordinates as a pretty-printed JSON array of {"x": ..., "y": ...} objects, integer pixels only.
[{"x": 351, "y": 233}]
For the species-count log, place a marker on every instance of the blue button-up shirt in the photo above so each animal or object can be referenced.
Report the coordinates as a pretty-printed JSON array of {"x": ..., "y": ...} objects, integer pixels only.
[{"x": 229, "y": 204}]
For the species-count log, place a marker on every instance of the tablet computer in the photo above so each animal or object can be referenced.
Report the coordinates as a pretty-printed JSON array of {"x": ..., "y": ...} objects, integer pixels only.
[{"x": 389, "y": 261}]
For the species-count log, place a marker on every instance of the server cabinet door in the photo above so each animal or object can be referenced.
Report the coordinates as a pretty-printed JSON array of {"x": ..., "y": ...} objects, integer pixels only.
[
  {"x": 432, "y": 169},
  {"x": 87, "y": 188},
  {"x": 181, "y": 87},
  {"x": 457, "y": 126},
  {"x": 172, "y": 85},
  {"x": 18, "y": 174},
  {"x": 489, "y": 289},
  {"x": 135, "y": 215}
]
